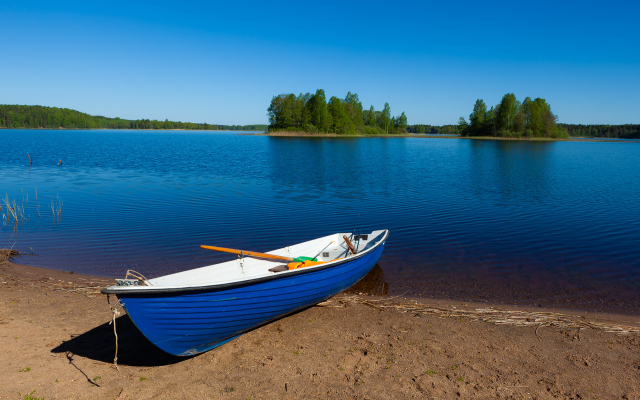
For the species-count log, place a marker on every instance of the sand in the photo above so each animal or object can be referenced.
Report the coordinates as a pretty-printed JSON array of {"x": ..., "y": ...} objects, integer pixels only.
[{"x": 56, "y": 343}]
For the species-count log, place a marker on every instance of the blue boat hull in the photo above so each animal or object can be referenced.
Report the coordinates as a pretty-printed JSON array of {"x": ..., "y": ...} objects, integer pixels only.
[{"x": 189, "y": 322}]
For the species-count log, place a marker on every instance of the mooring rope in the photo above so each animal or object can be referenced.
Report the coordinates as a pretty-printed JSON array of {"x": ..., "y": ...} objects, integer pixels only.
[
  {"x": 138, "y": 276},
  {"x": 115, "y": 310}
]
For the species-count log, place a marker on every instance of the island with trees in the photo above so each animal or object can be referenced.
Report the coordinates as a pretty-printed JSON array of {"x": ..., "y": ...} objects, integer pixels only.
[
  {"x": 18, "y": 116},
  {"x": 312, "y": 113},
  {"x": 513, "y": 119}
]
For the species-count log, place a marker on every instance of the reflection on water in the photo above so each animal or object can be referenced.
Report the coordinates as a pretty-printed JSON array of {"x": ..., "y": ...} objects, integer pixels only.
[
  {"x": 310, "y": 169},
  {"x": 512, "y": 170},
  {"x": 373, "y": 284}
]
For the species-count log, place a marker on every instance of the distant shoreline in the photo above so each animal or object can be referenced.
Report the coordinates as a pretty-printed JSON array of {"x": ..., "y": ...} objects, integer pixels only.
[
  {"x": 436, "y": 136},
  {"x": 128, "y": 129},
  {"x": 335, "y": 135}
]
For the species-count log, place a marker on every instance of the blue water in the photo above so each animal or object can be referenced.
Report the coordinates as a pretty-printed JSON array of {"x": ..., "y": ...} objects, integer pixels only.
[{"x": 547, "y": 223}]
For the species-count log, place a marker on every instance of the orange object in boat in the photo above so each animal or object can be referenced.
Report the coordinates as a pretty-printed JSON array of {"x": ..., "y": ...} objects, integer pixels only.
[
  {"x": 296, "y": 265},
  {"x": 308, "y": 263}
]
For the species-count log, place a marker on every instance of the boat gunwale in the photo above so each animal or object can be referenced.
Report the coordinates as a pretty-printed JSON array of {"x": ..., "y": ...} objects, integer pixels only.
[{"x": 133, "y": 291}]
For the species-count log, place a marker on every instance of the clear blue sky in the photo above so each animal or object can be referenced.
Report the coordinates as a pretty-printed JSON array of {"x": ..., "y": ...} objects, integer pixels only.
[{"x": 222, "y": 63}]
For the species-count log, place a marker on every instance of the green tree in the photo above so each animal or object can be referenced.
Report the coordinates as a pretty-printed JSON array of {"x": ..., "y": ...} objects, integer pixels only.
[
  {"x": 385, "y": 118},
  {"x": 479, "y": 112},
  {"x": 371, "y": 117},
  {"x": 538, "y": 117},
  {"x": 341, "y": 121},
  {"x": 353, "y": 107},
  {"x": 477, "y": 118},
  {"x": 463, "y": 127},
  {"x": 506, "y": 112},
  {"x": 276, "y": 112},
  {"x": 318, "y": 111},
  {"x": 302, "y": 116},
  {"x": 401, "y": 121},
  {"x": 547, "y": 121}
]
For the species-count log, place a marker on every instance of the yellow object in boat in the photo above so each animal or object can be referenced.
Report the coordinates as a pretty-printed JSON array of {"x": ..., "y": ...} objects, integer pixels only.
[{"x": 308, "y": 263}]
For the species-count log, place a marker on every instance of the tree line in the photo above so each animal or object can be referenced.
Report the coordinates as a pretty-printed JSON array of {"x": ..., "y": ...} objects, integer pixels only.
[
  {"x": 512, "y": 118},
  {"x": 313, "y": 113},
  {"x": 627, "y": 131},
  {"x": 433, "y": 129},
  {"x": 17, "y": 116}
]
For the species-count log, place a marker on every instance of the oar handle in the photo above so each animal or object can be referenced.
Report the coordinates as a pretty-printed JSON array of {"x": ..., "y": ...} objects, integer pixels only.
[
  {"x": 348, "y": 242},
  {"x": 247, "y": 253}
]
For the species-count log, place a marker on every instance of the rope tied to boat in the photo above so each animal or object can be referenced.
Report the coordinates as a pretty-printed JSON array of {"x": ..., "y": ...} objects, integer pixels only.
[
  {"x": 138, "y": 276},
  {"x": 115, "y": 313}
]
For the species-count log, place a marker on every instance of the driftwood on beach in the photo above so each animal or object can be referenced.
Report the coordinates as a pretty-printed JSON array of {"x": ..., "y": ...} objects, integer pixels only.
[{"x": 489, "y": 314}]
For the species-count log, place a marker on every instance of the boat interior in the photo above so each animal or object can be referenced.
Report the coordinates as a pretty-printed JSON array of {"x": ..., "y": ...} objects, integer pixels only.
[{"x": 321, "y": 251}]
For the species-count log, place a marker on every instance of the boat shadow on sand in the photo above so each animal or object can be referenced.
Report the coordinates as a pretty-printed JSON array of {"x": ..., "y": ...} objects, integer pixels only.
[{"x": 135, "y": 350}]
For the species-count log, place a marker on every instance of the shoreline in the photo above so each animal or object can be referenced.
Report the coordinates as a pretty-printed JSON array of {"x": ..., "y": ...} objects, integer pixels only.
[
  {"x": 26, "y": 272},
  {"x": 335, "y": 135},
  {"x": 437, "y": 136},
  {"x": 123, "y": 129},
  {"x": 370, "y": 286},
  {"x": 57, "y": 340}
]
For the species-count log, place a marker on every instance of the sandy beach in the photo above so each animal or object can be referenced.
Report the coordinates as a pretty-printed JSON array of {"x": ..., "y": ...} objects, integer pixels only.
[{"x": 56, "y": 343}]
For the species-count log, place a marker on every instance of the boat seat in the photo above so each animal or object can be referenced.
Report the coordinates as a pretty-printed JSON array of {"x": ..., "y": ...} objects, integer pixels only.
[{"x": 279, "y": 268}]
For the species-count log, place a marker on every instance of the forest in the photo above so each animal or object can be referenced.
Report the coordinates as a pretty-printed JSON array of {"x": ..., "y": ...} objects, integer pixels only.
[
  {"x": 312, "y": 113},
  {"x": 433, "y": 129},
  {"x": 512, "y": 118},
  {"x": 16, "y": 116},
  {"x": 627, "y": 131}
]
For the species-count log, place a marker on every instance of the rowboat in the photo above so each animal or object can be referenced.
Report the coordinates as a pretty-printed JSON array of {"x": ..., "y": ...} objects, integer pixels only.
[{"x": 194, "y": 311}]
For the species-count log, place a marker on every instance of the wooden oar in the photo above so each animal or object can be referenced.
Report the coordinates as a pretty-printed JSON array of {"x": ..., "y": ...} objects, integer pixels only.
[{"x": 259, "y": 255}]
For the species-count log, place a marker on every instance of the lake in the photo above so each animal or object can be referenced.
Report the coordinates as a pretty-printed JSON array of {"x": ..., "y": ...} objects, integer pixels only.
[{"x": 517, "y": 222}]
